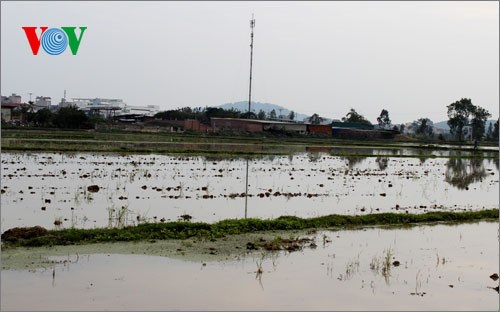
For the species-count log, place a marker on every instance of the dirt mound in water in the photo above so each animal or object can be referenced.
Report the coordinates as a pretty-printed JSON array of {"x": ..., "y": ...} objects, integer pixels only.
[
  {"x": 93, "y": 188},
  {"x": 23, "y": 233}
]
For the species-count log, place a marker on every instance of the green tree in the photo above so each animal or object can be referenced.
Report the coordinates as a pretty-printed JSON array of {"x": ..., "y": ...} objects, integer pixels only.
[
  {"x": 42, "y": 118},
  {"x": 71, "y": 118},
  {"x": 353, "y": 116},
  {"x": 291, "y": 115},
  {"x": 315, "y": 119},
  {"x": 248, "y": 115},
  {"x": 495, "y": 131},
  {"x": 489, "y": 132},
  {"x": 458, "y": 114},
  {"x": 176, "y": 114},
  {"x": 272, "y": 114},
  {"x": 28, "y": 108},
  {"x": 423, "y": 127},
  {"x": 221, "y": 113},
  {"x": 478, "y": 122},
  {"x": 384, "y": 122},
  {"x": 261, "y": 115}
]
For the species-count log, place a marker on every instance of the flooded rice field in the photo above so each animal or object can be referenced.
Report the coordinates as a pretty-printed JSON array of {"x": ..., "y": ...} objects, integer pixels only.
[
  {"x": 427, "y": 267},
  {"x": 88, "y": 190}
]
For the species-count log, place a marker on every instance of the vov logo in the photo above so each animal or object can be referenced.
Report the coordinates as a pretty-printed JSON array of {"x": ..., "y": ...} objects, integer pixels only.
[{"x": 54, "y": 41}]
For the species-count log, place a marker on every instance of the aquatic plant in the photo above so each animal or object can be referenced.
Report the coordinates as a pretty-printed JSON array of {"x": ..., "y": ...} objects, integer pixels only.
[
  {"x": 88, "y": 197},
  {"x": 76, "y": 197},
  {"x": 352, "y": 267},
  {"x": 418, "y": 285},
  {"x": 375, "y": 264},
  {"x": 260, "y": 270},
  {"x": 386, "y": 269}
]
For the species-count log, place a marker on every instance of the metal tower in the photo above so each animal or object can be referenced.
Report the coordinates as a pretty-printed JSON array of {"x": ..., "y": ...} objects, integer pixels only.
[{"x": 252, "y": 26}]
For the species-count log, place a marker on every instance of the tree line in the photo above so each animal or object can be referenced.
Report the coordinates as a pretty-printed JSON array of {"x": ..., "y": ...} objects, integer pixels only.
[
  {"x": 464, "y": 119},
  {"x": 64, "y": 118},
  {"x": 204, "y": 114}
]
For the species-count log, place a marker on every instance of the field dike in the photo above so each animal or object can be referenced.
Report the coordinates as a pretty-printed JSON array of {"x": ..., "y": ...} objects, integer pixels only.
[{"x": 224, "y": 240}]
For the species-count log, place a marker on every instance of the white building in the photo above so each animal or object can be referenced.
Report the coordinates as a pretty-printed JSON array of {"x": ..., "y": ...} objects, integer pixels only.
[
  {"x": 148, "y": 110},
  {"x": 111, "y": 107},
  {"x": 14, "y": 98},
  {"x": 42, "y": 102}
]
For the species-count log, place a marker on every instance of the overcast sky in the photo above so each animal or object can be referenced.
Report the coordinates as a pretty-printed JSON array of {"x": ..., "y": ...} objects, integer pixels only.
[{"x": 411, "y": 58}]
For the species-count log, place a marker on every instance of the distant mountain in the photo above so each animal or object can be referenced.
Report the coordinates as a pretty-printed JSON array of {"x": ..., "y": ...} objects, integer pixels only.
[
  {"x": 444, "y": 124},
  {"x": 266, "y": 107}
]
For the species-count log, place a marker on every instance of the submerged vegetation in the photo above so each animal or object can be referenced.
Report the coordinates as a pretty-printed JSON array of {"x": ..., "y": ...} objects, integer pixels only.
[{"x": 185, "y": 229}]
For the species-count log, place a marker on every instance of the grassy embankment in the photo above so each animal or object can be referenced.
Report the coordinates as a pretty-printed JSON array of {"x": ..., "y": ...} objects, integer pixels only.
[
  {"x": 183, "y": 230},
  {"x": 126, "y": 142}
]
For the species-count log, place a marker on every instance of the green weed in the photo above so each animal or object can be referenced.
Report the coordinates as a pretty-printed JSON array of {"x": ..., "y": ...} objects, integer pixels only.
[{"x": 183, "y": 230}]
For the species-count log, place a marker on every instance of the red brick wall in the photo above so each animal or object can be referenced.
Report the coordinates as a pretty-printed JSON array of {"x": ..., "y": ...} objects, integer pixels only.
[
  {"x": 191, "y": 124},
  {"x": 326, "y": 129},
  {"x": 345, "y": 133},
  {"x": 236, "y": 125},
  {"x": 254, "y": 127}
]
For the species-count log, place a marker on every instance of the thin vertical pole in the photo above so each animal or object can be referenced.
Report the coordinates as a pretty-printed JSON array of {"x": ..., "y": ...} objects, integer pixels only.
[{"x": 252, "y": 25}]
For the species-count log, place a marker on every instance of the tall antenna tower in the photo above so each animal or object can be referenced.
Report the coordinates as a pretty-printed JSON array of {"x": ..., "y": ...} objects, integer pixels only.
[{"x": 252, "y": 26}]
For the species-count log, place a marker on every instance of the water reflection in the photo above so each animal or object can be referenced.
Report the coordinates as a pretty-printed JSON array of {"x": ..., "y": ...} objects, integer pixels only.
[
  {"x": 300, "y": 280},
  {"x": 246, "y": 190},
  {"x": 314, "y": 156},
  {"x": 421, "y": 154},
  {"x": 352, "y": 161},
  {"x": 382, "y": 162},
  {"x": 497, "y": 162},
  {"x": 463, "y": 172},
  {"x": 36, "y": 191}
]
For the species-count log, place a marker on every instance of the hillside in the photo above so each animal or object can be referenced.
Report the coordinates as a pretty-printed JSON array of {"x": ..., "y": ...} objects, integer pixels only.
[{"x": 444, "y": 124}]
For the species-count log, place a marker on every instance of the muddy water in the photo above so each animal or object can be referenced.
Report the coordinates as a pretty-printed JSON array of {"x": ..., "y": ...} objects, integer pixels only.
[
  {"x": 40, "y": 188},
  {"x": 442, "y": 267}
]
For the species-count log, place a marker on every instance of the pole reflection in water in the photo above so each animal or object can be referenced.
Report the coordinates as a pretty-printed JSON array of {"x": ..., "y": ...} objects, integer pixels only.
[{"x": 246, "y": 191}]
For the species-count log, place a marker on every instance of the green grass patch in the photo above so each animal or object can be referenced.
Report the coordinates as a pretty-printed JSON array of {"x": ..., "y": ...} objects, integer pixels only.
[{"x": 183, "y": 230}]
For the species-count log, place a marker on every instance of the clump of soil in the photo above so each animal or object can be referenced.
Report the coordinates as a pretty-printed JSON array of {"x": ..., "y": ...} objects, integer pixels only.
[
  {"x": 17, "y": 233},
  {"x": 185, "y": 217},
  {"x": 93, "y": 188}
]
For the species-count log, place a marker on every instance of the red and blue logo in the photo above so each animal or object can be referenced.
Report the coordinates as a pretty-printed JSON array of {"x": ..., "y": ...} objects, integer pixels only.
[{"x": 54, "y": 41}]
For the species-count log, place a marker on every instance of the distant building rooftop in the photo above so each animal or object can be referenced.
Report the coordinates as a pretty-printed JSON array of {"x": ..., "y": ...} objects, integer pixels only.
[
  {"x": 352, "y": 125},
  {"x": 259, "y": 121}
]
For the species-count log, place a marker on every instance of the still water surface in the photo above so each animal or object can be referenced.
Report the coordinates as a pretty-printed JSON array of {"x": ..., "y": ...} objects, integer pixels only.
[
  {"x": 39, "y": 188},
  {"x": 442, "y": 267}
]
